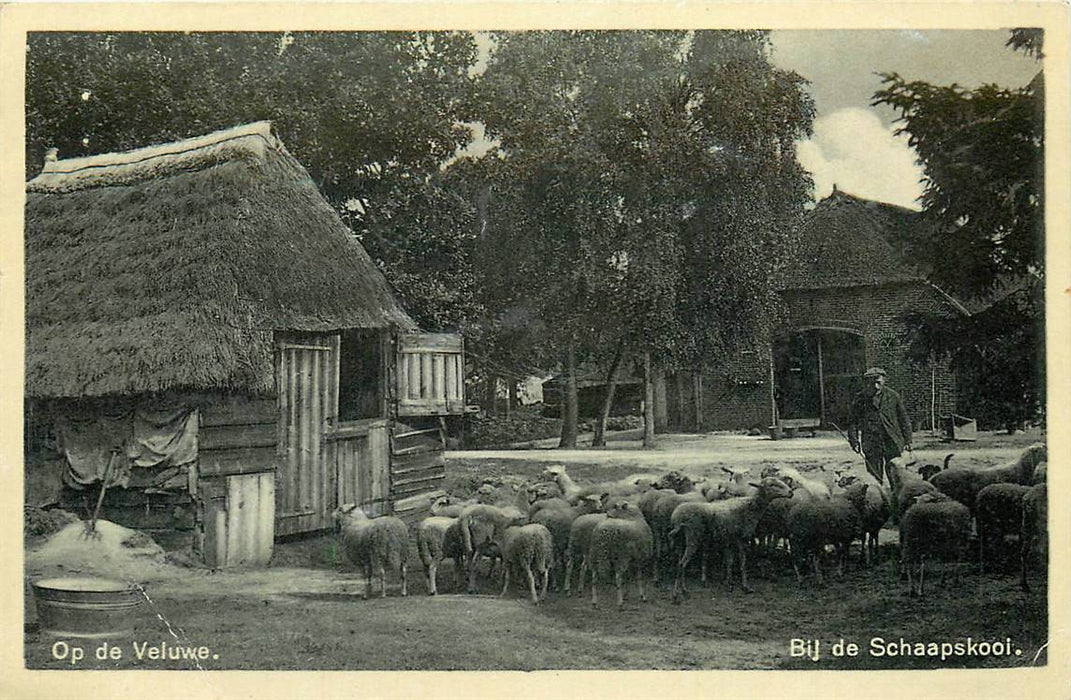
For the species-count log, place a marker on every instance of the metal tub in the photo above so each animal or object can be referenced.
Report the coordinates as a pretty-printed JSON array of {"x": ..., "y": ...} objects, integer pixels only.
[{"x": 86, "y": 607}]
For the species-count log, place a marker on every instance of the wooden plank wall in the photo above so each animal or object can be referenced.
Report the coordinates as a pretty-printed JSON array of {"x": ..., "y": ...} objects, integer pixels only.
[
  {"x": 236, "y": 480},
  {"x": 418, "y": 469},
  {"x": 237, "y": 436}
]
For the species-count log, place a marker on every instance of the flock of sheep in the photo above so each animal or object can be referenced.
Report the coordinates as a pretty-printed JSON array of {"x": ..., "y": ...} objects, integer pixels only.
[{"x": 647, "y": 526}]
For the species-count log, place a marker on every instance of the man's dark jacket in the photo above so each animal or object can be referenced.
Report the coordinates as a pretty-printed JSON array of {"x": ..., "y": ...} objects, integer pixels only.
[{"x": 880, "y": 417}]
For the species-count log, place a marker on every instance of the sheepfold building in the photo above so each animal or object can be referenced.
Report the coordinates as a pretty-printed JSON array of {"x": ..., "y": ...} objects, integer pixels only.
[
  {"x": 205, "y": 336},
  {"x": 849, "y": 280}
]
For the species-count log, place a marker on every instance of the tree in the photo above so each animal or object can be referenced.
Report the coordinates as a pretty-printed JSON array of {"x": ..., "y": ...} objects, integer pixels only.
[
  {"x": 982, "y": 152},
  {"x": 646, "y": 169}
]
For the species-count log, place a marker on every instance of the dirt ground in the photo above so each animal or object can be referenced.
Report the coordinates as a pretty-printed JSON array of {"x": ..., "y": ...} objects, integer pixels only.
[{"x": 305, "y": 610}]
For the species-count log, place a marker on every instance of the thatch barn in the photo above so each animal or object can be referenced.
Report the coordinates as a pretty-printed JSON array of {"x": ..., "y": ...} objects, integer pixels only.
[
  {"x": 201, "y": 325},
  {"x": 850, "y": 279}
]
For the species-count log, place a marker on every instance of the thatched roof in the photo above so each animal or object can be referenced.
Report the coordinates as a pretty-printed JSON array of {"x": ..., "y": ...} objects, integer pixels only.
[
  {"x": 170, "y": 266},
  {"x": 846, "y": 241}
]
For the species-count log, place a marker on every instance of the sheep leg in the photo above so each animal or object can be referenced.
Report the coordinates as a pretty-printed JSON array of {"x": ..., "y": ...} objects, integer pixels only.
[
  {"x": 639, "y": 581},
  {"x": 679, "y": 587},
  {"x": 367, "y": 578},
  {"x": 727, "y": 555},
  {"x": 505, "y": 583},
  {"x": 405, "y": 572},
  {"x": 618, "y": 583},
  {"x": 531, "y": 583},
  {"x": 568, "y": 575},
  {"x": 543, "y": 593},
  {"x": 817, "y": 566},
  {"x": 471, "y": 564},
  {"x": 922, "y": 567},
  {"x": 742, "y": 553},
  {"x": 594, "y": 587},
  {"x": 459, "y": 573},
  {"x": 430, "y": 571},
  {"x": 703, "y": 566},
  {"x": 656, "y": 558},
  {"x": 382, "y": 571}
]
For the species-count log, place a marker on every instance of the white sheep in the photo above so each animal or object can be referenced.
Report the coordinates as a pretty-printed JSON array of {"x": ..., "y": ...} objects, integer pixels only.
[
  {"x": 815, "y": 522},
  {"x": 620, "y": 543},
  {"x": 737, "y": 484},
  {"x": 448, "y": 506},
  {"x": 579, "y": 542},
  {"x": 430, "y": 535},
  {"x": 1033, "y": 529},
  {"x": 912, "y": 486},
  {"x": 1041, "y": 474},
  {"x": 559, "y": 522},
  {"x": 964, "y": 483},
  {"x": 935, "y": 526},
  {"x": 528, "y": 548},
  {"x": 661, "y": 523},
  {"x": 375, "y": 544},
  {"x": 875, "y": 510},
  {"x": 728, "y": 526},
  {"x": 794, "y": 479},
  {"x": 572, "y": 491},
  {"x": 482, "y": 527}
]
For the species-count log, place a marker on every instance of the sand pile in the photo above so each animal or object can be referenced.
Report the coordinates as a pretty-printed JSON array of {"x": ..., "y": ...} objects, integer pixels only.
[{"x": 115, "y": 552}]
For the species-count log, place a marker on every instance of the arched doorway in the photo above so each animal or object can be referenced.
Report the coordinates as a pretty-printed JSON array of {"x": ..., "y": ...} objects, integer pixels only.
[{"x": 816, "y": 373}]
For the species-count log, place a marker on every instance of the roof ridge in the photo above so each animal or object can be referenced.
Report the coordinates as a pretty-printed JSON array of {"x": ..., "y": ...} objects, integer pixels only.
[{"x": 123, "y": 167}]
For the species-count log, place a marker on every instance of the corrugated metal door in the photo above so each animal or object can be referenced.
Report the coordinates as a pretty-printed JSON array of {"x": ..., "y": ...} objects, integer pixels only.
[{"x": 308, "y": 396}]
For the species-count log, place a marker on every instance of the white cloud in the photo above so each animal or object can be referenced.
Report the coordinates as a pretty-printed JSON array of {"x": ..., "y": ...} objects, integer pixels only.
[{"x": 854, "y": 150}]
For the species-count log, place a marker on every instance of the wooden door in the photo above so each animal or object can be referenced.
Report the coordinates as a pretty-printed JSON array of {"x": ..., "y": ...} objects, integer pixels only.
[{"x": 308, "y": 397}]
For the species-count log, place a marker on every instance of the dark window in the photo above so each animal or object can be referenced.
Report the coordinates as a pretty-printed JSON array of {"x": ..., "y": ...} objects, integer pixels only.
[{"x": 360, "y": 375}]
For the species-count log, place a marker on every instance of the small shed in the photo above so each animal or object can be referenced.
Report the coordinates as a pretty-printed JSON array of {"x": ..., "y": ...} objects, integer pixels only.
[{"x": 205, "y": 334}]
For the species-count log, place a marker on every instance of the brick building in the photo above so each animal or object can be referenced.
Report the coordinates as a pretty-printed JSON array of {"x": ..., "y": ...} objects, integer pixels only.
[{"x": 844, "y": 290}]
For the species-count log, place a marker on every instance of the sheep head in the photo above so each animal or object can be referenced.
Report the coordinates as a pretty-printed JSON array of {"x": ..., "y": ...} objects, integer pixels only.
[
  {"x": 348, "y": 511},
  {"x": 624, "y": 510},
  {"x": 771, "y": 487}
]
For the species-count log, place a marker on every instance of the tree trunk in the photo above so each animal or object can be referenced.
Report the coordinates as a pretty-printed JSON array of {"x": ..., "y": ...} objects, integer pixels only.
[
  {"x": 648, "y": 402},
  {"x": 661, "y": 412},
  {"x": 569, "y": 402},
  {"x": 697, "y": 393},
  {"x": 678, "y": 419},
  {"x": 511, "y": 395},
  {"x": 611, "y": 385}
]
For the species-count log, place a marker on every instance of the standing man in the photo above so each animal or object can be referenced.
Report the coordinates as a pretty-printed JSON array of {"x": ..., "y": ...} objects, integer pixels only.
[{"x": 879, "y": 415}]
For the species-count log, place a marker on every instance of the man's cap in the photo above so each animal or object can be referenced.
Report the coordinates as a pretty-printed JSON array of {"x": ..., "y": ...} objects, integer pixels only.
[{"x": 874, "y": 372}]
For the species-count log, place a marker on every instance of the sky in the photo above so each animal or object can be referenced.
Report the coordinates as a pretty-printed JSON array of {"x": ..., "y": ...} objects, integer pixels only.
[{"x": 854, "y": 145}]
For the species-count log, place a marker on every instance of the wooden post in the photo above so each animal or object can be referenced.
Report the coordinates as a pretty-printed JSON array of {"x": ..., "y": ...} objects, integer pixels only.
[
  {"x": 821, "y": 384},
  {"x": 933, "y": 396},
  {"x": 773, "y": 390},
  {"x": 648, "y": 402}
]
